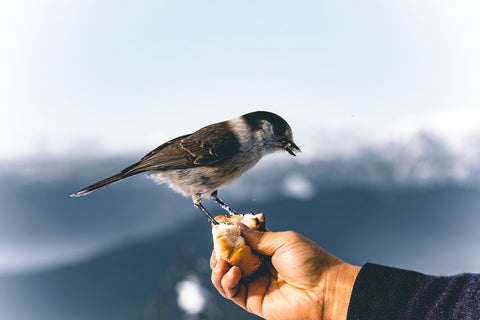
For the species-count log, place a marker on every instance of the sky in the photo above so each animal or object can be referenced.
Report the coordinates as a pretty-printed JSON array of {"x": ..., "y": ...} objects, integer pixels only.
[
  {"x": 110, "y": 77},
  {"x": 89, "y": 78}
]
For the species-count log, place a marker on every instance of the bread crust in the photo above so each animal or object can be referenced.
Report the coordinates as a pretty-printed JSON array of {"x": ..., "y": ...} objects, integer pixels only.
[{"x": 230, "y": 246}]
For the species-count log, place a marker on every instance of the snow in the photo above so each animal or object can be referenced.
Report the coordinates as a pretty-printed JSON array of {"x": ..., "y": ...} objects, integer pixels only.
[
  {"x": 190, "y": 295},
  {"x": 298, "y": 186}
]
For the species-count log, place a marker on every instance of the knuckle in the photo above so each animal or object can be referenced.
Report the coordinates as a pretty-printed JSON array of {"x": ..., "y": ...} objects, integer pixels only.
[{"x": 292, "y": 235}]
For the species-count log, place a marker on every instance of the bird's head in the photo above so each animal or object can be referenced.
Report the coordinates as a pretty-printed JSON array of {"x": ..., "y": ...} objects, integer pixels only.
[{"x": 272, "y": 131}]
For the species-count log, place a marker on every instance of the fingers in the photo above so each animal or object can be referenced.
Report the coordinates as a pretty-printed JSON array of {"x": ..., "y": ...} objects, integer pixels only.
[
  {"x": 225, "y": 279},
  {"x": 217, "y": 275},
  {"x": 231, "y": 282},
  {"x": 265, "y": 243},
  {"x": 213, "y": 260}
]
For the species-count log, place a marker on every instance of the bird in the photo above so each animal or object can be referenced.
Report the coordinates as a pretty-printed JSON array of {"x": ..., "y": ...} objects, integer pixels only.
[{"x": 201, "y": 163}]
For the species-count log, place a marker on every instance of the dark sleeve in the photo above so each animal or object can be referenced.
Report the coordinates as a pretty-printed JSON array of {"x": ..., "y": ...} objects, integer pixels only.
[{"x": 389, "y": 293}]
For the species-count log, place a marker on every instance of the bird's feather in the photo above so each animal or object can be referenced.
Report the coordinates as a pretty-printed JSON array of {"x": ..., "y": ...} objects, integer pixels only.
[{"x": 211, "y": 145}]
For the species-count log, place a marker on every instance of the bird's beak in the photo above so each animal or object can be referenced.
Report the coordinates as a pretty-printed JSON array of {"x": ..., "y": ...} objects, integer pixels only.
[{"x": 290, "y": 147}]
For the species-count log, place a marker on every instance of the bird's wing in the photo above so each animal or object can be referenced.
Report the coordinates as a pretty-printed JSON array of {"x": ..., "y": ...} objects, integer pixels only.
[
  {"x": 169, "y": 155},
  {"x": 211, "y": 145},
  {"x": 167, "y": 145},
  {"x": 207, "y": 146}
]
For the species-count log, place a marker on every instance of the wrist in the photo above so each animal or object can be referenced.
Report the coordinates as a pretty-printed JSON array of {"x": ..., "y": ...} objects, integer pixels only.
[{"x": 338, "y": 290}]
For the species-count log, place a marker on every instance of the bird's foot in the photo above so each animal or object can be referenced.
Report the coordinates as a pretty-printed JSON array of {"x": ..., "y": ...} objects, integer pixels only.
[
  {"x": 214, "y": 196},
  {"x": 197, "y": 201}
]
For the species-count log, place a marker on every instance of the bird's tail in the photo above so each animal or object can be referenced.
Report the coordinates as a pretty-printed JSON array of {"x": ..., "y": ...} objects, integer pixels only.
[{"x": 105, "y": 182}]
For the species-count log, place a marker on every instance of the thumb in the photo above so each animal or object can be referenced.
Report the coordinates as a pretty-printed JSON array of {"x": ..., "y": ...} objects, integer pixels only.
[{"x": 264, "y": 242}]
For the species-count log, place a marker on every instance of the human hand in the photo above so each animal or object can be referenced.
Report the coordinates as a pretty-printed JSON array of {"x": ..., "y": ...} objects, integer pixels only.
[{"x": 301, "y": 280}]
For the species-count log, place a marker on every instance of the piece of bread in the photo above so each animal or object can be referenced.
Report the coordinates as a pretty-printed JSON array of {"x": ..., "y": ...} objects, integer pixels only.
[{"x": 230, "y": 246}]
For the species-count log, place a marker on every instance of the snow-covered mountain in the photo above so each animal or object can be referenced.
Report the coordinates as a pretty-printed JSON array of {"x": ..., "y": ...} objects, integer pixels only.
[{"x": 129, "y": 251}]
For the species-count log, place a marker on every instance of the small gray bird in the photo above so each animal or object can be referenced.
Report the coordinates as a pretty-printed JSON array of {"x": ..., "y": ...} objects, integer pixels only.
[{"x": 200, "y": 163}]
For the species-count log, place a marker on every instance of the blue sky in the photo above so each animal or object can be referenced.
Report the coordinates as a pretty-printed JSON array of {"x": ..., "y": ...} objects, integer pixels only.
[
  {"x": 102, "y": 77},
  {"x": 95, "y": 78}
]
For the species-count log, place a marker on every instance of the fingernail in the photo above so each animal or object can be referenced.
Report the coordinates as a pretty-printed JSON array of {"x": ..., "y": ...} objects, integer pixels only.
[
  {"x": 229, "y": 272},
  {"x": 243, "y": 227}
]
